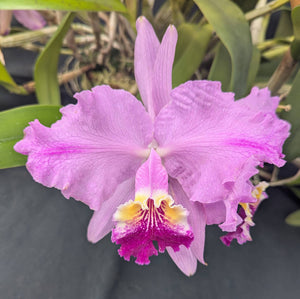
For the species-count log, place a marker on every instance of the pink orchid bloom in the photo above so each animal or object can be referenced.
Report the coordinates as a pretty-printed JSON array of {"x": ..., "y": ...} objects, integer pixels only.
[
  {"x": 246, "y": 212},
  {"x": 31, "y": 19},
  {"x": 163, "y": 171}
]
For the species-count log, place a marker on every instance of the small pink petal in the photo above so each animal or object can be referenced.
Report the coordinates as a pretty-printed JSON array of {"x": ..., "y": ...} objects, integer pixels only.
[
  {"x": 145, "y": 51},
  {"x": 162, "y": 73},
  {"x": 184, "y": 260},
  {"x": 31, "y": 19},
  {"x": 93, "y": 148},
  {"x": 102, "y": 223}
]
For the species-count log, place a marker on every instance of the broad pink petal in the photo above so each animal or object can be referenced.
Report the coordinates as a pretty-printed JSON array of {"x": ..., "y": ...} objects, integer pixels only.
[
  {"x": 102, "y": 221},
  {"x": 93, "y": 148},
  {"x": 5, "y": 20},
  {"x": 260, "y": 100},
  {"x": 215, "y": 212},
  {"x": 152, "y": 177},
  {"x": 209, "y": 142},
  {"x": 162, "y": 73},
  {"x": 206, "y": 137},
  {"x": 184, "y": 260},
  {"x": 145, "y": 51},
  {"x": 31, "y": 19},
  {"x": 196, "y": 218}
]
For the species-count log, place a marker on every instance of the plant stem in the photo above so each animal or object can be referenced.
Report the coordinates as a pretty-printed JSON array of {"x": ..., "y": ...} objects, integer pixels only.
[
  {"x": 285, "y": 181},
  {"x": 269, "y": 7},
  {"x": 62, "y": 78},
  {"x": 282, "y": 73}
]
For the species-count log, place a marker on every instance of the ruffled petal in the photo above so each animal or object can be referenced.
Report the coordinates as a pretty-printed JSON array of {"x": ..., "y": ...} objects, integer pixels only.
[
  {"x": 31, "y": 19},
  {"x": 184, "y": 260},
  {"x": 97, "y": 145},
  {"x": 246, "y": 213},
  {"x": 215, "y": 212},
  {"x": 102, "y": 221},
  {"x": 145, "y": 51},
  {"x": 5, "y": 20},
  {"x": 162, "y": 73},
  {"x": 212, "y": 144},
  {"x": 205, "y": 138}
]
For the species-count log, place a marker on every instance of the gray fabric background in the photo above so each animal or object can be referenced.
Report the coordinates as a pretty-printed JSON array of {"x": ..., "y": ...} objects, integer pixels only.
[{"x": 44, "y": 253}]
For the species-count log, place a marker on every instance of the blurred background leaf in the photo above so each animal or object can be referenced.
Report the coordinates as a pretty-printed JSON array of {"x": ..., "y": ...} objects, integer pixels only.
[
  {"x": 190, "y": 50},
  {"x": 68, "y": 5},
  {"x": 8, "y": 82},
  {"x": 295, "y": 47},
  {"x": 292, "y": 145},
  {"x": 232, "y": 28},
  {"x": 46, "y": 67},
  {"x": 13, "y": 122},
  {"x": 293, "y": 219}
]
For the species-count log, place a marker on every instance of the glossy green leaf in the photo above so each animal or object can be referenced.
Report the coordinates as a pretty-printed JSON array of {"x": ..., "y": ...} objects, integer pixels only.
[
  {"x": 232, "y": 28},
  {"x": 46, "y": 67},
  {"x": 293, "y": 219},
  {"x": 190, "y": 50},
  {"x": 68, "y": 5},
  {"x": 221, "y": 68},
  {"x": 8, "y": 82},
  {"x": 132, "y": 9},
  {"x": 295, "y": 46},
  {"x": 291, "y": 147},
  {"x": 12, "y": 124},
  {"x": 254, "y": 67}
]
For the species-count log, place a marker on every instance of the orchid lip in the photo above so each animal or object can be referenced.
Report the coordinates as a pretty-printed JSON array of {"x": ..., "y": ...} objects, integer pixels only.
[
  {"x": 138, "y": 224},
  {"x": 152, "y": 216}
]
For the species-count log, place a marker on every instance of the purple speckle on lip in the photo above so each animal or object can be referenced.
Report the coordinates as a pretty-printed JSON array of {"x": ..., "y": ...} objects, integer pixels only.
[{"x": 137, "y": 236}]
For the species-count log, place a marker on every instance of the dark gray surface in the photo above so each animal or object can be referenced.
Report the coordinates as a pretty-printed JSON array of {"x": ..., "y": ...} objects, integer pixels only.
[{"x": 44, "y": 253}]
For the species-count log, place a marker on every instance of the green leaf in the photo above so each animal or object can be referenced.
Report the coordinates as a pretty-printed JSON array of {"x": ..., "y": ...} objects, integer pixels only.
[
  {"x": 190, "y": 50},
  {"x": 12, "y": 124},
  {"x": 132, "y": 9},
  {"x": 291, "y": 147},
  {"x": 69, "y": 5},
  {"x": 254, "y": 67},
  {"x": 296, "y": 191},
  {"x": 293, "y": 219},
  {"x": 295, "y": 46},
  {"x": 221, "y": 68},
  {"x": 232, "y": 28},
  {"x": 8, "y": 82},
  {"x": 285, "y": 26},
  {"x": 45, "y": 70}
]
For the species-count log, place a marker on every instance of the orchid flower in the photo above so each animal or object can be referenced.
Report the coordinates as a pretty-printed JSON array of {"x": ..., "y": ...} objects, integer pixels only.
[
  {"x": 246, "y": 212},
  {"x": 31, "y": 19},
  {"x": 163, "y": 171}
]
